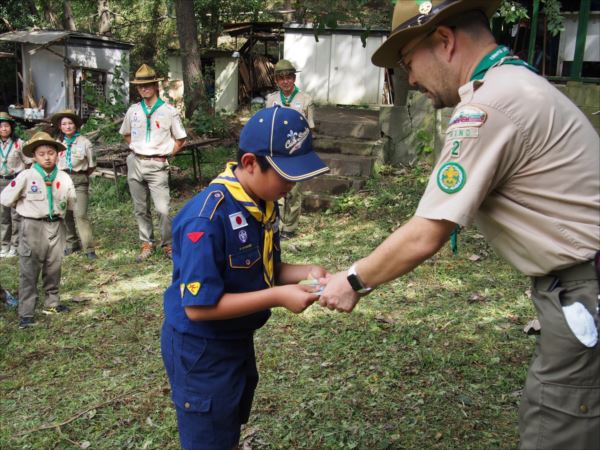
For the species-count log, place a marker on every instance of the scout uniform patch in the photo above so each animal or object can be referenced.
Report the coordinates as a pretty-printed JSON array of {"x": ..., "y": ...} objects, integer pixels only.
[
  {"x": 451, "y": 177},
  {"x": 193, "y": 287},
  {"x": 468, "y": 116},
  {"x": 195, "y": 236},
  {"x": 237, "y": 220},
  {"x": 462, "y": 133}
]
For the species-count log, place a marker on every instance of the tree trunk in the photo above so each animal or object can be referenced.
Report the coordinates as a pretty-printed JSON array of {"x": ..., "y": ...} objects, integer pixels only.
[
  {"x": 105, "y": 25},
  {"x": 49, "y": 14},
  {"x": 68, "y": 20},
  {"x": 193, "y": 83}
]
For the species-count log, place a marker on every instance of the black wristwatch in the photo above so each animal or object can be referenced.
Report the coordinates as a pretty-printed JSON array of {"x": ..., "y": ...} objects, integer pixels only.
[{"x": 356, "y": 283}]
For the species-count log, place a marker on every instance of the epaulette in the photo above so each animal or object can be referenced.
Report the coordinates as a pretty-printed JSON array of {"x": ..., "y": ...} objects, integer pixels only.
[{"x": 211, "y": 203}]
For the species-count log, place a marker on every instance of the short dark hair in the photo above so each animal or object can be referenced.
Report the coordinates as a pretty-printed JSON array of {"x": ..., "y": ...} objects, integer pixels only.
[
  {"x": 473, "y": 22},
  {"x": 261, "y": 160}
]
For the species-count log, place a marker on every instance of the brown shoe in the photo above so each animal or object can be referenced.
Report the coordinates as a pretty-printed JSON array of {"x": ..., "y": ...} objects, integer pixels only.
[
  {"x": 168, "y": 251},
  {"x": 145, "y": 253}
]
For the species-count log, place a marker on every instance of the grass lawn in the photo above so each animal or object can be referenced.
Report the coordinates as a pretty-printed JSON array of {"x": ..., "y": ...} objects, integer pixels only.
[{"x": 434, "y": 360}]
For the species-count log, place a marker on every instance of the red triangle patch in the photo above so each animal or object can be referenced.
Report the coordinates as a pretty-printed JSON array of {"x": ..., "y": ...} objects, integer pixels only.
[
  {"x": 58, "y": 185},
  {"x": 195, "y": 236}
]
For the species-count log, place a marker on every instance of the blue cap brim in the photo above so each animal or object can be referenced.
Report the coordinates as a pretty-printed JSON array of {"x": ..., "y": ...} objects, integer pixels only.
[{"x": 298, "y": 168}]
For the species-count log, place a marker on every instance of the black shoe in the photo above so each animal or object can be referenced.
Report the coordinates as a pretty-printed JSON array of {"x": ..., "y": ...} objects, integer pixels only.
[
  {"x": 69, "y": 251},
  {"x": 91, "y": 255},
  {"x": 26, "y": 322},
  {"x": 55, "y": 310}
]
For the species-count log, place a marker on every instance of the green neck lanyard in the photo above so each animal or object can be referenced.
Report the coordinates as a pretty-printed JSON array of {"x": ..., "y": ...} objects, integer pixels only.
[
  {"x": 48, "y": 179},
  {"x": 159, "y": 102},
  {"x": 4, "y": 166},
  {"x": 287, "y": 101},
  {"x": 497, "y": 57},
  {"x": 70, "y": 142}
]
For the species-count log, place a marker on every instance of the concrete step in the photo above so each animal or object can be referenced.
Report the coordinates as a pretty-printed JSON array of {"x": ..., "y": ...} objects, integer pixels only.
[
  {"x": 358, "y": 123},
  {"x": 332, "y": 184},
  {"x": 316, "y": 202},
  {"x": 347, "y": 146},
  {"x": 349, "y": 165}
]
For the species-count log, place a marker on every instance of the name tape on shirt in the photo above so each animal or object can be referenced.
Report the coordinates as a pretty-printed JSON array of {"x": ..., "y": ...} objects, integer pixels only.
[
  {"x": 237, "y": 220},
  {"x": 462, "y": 133},
  {"x": 467, "y": 117}
]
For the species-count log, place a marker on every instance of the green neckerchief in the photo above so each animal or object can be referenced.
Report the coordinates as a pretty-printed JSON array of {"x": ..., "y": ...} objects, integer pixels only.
[
  {"x": 159, "y": 102},
  {"x": 287, "y": 101},
  {"x": 497, "y": 57},
  {"x": 69, "y": 156},
  {"x": 266, "y": 218},
  {"x": 5, "y": 156},
  {"x": 48, "y": 179}
]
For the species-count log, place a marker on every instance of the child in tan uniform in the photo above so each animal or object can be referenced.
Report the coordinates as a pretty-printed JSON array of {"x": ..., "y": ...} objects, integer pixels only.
[
  {"x": 79, "y": 161},
  {"x": 41, "y": 195}
]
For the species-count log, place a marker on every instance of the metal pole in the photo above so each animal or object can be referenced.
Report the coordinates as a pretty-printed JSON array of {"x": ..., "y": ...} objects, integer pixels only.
[
  {"x": 584, "y": 15},
  {"x": 533, "y": 31}
]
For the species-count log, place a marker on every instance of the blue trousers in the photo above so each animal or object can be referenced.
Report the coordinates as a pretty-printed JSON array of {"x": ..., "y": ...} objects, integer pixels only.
[{"x": 212, "y": 383}]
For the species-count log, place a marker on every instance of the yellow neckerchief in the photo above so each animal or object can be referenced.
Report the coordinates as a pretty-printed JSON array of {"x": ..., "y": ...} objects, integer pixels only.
[{"x": 266, "y": 218}]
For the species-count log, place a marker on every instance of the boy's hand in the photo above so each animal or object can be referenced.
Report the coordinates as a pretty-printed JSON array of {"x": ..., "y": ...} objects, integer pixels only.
[
  {"x": 297, "y": 298},
  {"x": 317, "y": 272}
]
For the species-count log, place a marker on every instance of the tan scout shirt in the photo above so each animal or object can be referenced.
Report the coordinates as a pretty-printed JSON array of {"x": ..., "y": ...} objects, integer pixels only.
[
  {"x": 523, "y": 162},
  {"x": 301, "y": 102},
  {"x": 83, "y": 156},
  {"x": 15, "y": 160},
  {"x": 165, "y": 127},
  {"x": 28, "y": 194}
]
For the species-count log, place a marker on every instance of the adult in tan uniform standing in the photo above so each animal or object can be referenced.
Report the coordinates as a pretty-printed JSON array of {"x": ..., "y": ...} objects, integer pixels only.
[
  {"x": 79, "y": 161},
  {"x": 522, "y": 161},
  {"x": 154, "y": 132},
  {"x": 12, "y": 161},
  {"x": 290, "y": 96}
]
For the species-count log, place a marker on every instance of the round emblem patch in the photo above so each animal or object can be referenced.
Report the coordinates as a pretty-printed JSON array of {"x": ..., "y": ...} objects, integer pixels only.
[
  {"x": 243, "y": 236},
  {"x": 451, "y": 177},
  {"x": 425, "y": 7}
]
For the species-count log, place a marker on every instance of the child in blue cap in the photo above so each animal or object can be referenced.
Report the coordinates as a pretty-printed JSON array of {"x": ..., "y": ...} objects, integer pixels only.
[{"x": 228, "y": 273}]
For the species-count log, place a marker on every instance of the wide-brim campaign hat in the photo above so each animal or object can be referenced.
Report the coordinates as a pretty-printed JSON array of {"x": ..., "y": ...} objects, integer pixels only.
[
  {"x": 415, "y": 17},
  {"x": 5, "y": 117},
  {"x": 68, "y": 113},
  {"x": 145, "y": 75},
  {"x": 40, "y": 138},
  {"x": 285, "y": 66},
  {"x": 283, "y": 136}
]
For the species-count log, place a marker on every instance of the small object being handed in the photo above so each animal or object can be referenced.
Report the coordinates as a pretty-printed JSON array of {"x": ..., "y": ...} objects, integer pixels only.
[{"x": 313, "y": 282}]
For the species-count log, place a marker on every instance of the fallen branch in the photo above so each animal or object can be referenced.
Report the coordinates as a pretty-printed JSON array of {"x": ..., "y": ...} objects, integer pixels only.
[{"x": 79, "y": 414}]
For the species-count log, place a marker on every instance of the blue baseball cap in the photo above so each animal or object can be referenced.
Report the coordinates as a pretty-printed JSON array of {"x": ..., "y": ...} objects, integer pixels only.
[{"x": 283, "y": 136}]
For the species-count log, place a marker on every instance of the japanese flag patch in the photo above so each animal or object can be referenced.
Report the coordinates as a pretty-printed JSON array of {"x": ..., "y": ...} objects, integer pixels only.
[{"x": 237, "y": 220}]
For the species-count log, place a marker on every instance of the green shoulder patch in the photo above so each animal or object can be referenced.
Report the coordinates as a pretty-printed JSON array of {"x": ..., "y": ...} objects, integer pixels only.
[
  {"x": 451, "y": 177},
  {"x": 211, "y": 204}
]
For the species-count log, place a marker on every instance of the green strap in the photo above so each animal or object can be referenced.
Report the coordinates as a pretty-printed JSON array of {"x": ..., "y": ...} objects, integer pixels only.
[
  {"x": 48, "y": 179},
  {"x": 159, "y": 102},
  {"x": 287, "y": 101},
  {"x": 497, "y": 57},
  {"x": 5, "y": 156},
  {"x": 70, "y": 142}
]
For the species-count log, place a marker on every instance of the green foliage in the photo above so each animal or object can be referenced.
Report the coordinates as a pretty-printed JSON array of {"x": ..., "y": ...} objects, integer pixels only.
[
  {"x": 205, "y": 123},
  {"x": 107, "y": 109},
  {"x": 554, "y": 19},
  {"x": 425, "y": 142},
  {"x": 512, "y": 11}
]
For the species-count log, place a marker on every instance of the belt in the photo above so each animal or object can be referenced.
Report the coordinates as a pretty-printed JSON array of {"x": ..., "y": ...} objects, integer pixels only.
[
  {"x": 578, "y": 272},
  {"x": 151, "y": 157},
  {"x": 8, "y": 177},
  {"x": 45, "y": 219}
]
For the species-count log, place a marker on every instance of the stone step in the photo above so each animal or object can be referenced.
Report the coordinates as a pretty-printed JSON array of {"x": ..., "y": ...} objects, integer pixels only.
[
  {"x": 347, "y": 146},
  {"x": 316, "y": 202},
  {"x": 349, "y": 165},
  {"x": 347, "y": 122},
  {"x": 332, "y": 184}
]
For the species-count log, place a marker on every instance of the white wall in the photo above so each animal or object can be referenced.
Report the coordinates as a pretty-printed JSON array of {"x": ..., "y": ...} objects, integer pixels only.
[
  {"x": 226, "y": 84},
  {"x": 568, "y": 37},
  {"x": 337, "y": 69}
]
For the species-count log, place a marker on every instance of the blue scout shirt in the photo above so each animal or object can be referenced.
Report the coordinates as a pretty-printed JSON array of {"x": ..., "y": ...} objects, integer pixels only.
[{"x": 217, "y": 249}]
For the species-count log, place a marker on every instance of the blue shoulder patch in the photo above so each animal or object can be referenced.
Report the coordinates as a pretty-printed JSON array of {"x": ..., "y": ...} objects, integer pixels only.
[{"x": 212, "y": 202}]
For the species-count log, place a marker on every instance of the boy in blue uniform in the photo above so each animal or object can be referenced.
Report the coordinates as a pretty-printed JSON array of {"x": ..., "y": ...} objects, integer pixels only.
[{"x": 228, "y": 273}]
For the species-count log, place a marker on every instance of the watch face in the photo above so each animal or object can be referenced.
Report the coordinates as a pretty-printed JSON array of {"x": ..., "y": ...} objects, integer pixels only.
[{"x": 355, "y": 283}]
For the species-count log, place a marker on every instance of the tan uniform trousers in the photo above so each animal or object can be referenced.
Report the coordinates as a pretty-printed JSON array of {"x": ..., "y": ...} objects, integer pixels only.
[
  {"x": 149, "y": 178},
  {"x": 77, "y": 222},
  {"x": 10, "y": 222},
  {"x": 41, "y": 249},
  {"x": 560, "y": 408},
  {"x": 289, "y": 209}
]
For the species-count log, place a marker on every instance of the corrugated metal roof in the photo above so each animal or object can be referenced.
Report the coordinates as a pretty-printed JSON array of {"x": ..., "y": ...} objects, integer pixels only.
[{"x": 43, "y": 37}]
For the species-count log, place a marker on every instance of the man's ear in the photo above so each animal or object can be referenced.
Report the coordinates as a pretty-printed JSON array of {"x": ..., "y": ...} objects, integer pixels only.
[
  {"x": 248, "y": 162},
  {"x": 447, "y": 37}
]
